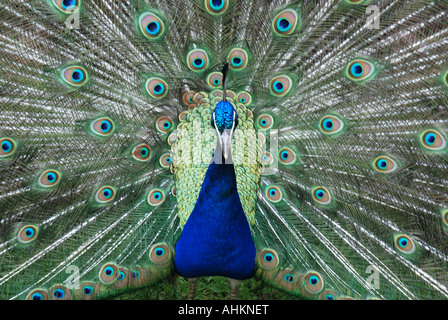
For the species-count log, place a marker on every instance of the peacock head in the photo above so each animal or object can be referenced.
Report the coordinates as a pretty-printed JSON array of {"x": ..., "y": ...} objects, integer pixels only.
[{"x": 225, "y": 120}]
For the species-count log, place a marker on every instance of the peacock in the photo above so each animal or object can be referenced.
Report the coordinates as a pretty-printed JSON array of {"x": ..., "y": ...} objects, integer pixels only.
[{"x": 302, "y": 143}]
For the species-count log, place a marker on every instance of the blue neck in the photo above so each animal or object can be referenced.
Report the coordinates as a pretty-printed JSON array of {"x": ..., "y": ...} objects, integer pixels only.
[{"x": 216, "y": 240}]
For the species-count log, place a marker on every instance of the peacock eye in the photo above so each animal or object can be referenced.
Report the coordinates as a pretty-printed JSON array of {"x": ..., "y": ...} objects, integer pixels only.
[
  {"x": 48, "y": 178},
  {"x": 312, "y": 282},
  {"x": 244, "y": 98},
  {"x": 214, "y": 80},
  {"x": 267, "y": 158},
  {"x": 164, "y": 124},
  {"x": 274, "y": 194},
  {"x": 7, "y": 147},
  {"x": 287, "y": 156},
  {"x": 37, "y": 294},
  {"x": 151, "y": 25},
  {"x": 322, "y": 195},
  {"x": 385, "y": 164},
  {"x": 102, "y": 126},
  {"x": 280, "y": 85},
  {"x": 265, "y": 121},
  {"x": 289, "y": 277},
  {"x": 27, "y": 234},
  {"x": 197, "y": 60},
  {"x": 105, "y": 194},
  {"x": 359, "y": 70},
  {"x": 156, "y": 197},
  {"x": 331, "y": 125},
  {"x": 141, "y": 152},
  {"x": 108, "y": 273},
  {"x": 58, "y": 293},
  {"x": 156, "y": 87},
  {"x": 87, "y": 290},
  {"x": 404, "y": 244},
  {"x": 66, "y": 6},
  {"x": 285, "y": 22},
  {"x": 165, "y": 160},
  {"x": 187, "y": 97},
  {"x": 433, "y": 140},
  {"x": 268, "y": 259},
  {"x": 183, "y": 116},
  {"x": 216, "y": 7},
  {"x": 159, "y": 253},
  {"x": 237, "y": 59},
  {"x": 75, "y": 76}
]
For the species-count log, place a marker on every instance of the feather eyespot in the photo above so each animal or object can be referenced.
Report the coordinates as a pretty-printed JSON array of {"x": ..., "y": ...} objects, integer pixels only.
[
  {"x": 75, "y": 76},
  {"x": 187, "y": 97},
  {"x": 268, "y": 259},
  {"x": 164, "y": 124},
  {"x": 445, "y": 218},
  {"x": 37, "y": 294},
  {"x": 87, "y": 290},
  {"x": 237, "y": 59},
  {"x": 27, "y": 234},
  {"x": 66, "y": 6},
  {"x": 331, "y": 125},
  {"x": 151, "y": 25},
  {"x": 214, "y": 80},
  {"x": 197, "y": 60},
  {"x": 287, "y": 156},
  {"x": 59, "y": 292},
  {"x": 183, "y": 116},
  {"x": 433, "y": 140},
  {"x": 102, "y": 126},
  {"x": 156, "y": 197},
  {"x": 156, "y": 87},
  {"x": 312, "y": 282},
  {"x": 109, "y": 273},
  {"x": 360, "y": 70},
  {"x": 274, "y": 194},
  {"x": 287, "y": 279},
  {"x": 165, "y": 160},
  {"x": 265, "y": 121},
  {"x": 216, "y": 7},
  {"x": 105, "y": 194},
  {"x": 328, "y": 295},
  {"x": 404, "y": 244},
  {"x": 385, "y": 164},
  {"x": 7, "y": 147},
  {"x": 322, "y": 195},
  {"x": 244, "y": 98},
  {"x": 141, "y": 152},
  {"x": 267, "y": 159},
  {"x": 280, "y": 85},
  {"x": 49, "y": 178},
  {"x": 123, "y": 278},
  {"x": 285, "y": 23},
  {"x": 160, "y": 253}
]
